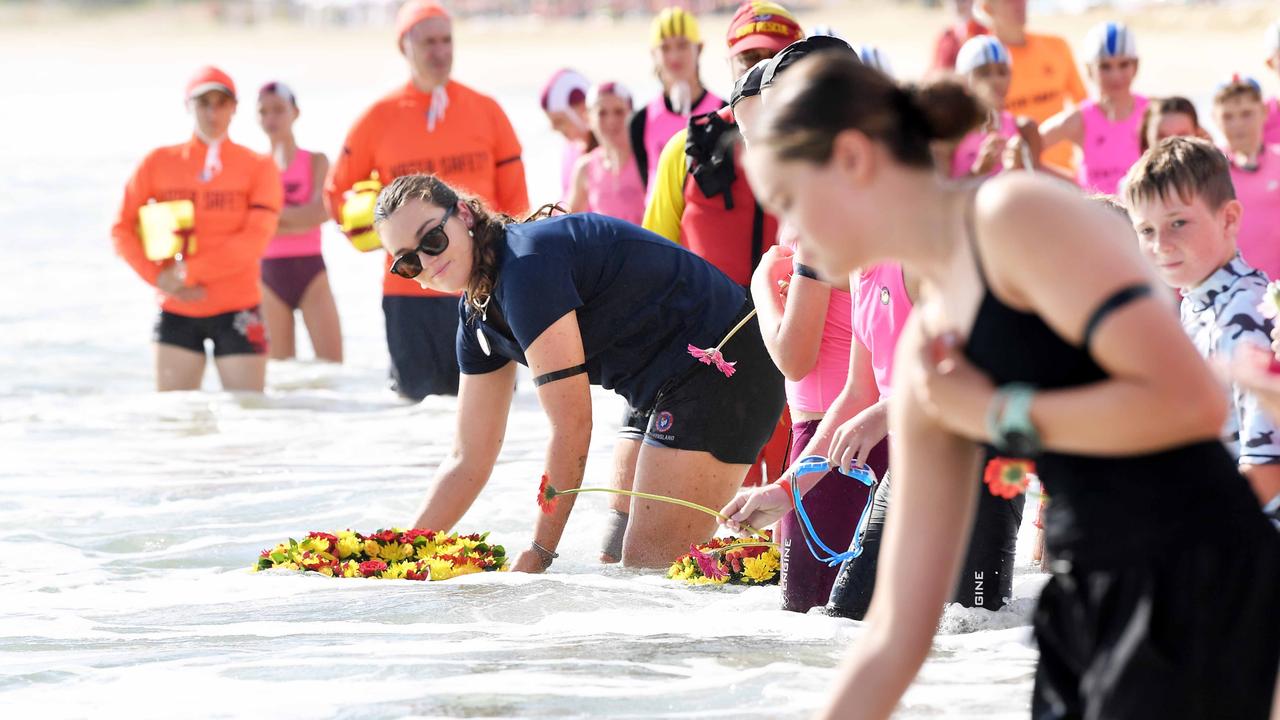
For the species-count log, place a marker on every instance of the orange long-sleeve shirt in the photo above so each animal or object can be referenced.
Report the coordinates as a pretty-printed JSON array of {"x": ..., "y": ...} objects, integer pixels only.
[
  {"x": 474, "y": 149},
  {"x": 1044, "y": 79},
  {"x": 236, "y": 212}
]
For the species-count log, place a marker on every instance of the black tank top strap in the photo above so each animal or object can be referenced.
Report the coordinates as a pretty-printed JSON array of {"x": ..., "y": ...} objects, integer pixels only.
[
  {"x": 1114, "y": 302},
  {"x": 971, "y": 235}
]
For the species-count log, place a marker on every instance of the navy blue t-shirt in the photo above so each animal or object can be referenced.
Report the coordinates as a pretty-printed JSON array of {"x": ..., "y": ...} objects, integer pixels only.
[{"x": 641, "y": 301}]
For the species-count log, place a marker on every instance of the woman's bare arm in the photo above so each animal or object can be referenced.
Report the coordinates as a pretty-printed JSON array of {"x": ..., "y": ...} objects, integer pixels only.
[
  {"x": 1159, "y": 392},
  {"x": 483, "y": 404},
  {"x": 926, "y": 534}
]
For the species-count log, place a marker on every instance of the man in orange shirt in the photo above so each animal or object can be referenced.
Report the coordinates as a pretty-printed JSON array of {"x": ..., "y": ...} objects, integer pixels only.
[
  {"x": 437, "y": 126},
  {"x": 210, "y": 291},
  {"x": 1045, "y": 78}
]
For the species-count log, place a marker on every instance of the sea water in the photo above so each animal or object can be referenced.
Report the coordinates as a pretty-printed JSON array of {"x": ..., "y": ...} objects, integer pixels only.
[{"x": 129, "y": 519}]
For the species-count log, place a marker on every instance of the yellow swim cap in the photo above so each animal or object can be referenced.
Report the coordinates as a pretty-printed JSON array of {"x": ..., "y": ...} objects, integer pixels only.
[{"x": 674, "y": 22}]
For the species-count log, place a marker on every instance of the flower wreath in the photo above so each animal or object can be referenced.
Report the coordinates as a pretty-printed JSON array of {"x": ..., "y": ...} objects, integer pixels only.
[{"x": 393, "y": 554}]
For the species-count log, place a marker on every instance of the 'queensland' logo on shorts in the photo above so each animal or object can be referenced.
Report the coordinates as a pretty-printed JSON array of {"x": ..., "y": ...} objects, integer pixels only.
[{"x": 663, "y": 421}]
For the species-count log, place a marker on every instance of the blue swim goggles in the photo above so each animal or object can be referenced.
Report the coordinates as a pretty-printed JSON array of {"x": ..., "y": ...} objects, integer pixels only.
[{"x": 812, "y": 464}]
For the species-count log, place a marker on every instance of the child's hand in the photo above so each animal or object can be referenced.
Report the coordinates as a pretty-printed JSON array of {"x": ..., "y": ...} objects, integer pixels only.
[
  {"x": 1017, "y": 151},
  {"x": 776, "y": 264},
  {"x": 758, "y": 507},
  {"x": 988, "y": 155}
]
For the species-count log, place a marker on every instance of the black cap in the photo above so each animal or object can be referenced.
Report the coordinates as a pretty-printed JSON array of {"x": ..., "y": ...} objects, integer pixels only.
[
  {"x": 749, "y": 84},
  {"x": 800, "y": 49}
]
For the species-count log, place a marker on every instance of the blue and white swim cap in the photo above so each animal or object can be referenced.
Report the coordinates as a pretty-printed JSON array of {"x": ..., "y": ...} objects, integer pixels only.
[
  {"x": 875, "y": 57},
  {"x": 1109, "y": 40},
  {"x": 979, "y": 51},
  {"x": 827, "y": 30}
]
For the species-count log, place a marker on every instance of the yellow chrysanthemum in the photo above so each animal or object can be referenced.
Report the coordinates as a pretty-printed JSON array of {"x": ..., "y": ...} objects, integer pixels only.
[
  {"x": 440, "y": 569},
  {"x": 465, "y": 570},
  {"x": 760, "y": 569},
  {"x": 350, "y": 569},
  {"x": 427, "y": 551},
  {"x": 315, "y": 545},
  {"x": 704, "y": 580},
  {"x": 394, "y": 553},
  {"x": 348, "y": 544},
  {"x": 372, "y": 549},
  {"x": 396, "y": 570}
]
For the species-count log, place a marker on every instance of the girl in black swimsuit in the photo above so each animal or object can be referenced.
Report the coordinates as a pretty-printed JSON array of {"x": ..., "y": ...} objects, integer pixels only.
[{"x": 1166, "y": 579}]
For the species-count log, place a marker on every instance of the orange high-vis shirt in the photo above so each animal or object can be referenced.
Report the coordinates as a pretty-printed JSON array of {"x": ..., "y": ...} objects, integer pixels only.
[
  {"x": 1044, "y": 79},
  {"x": 473, "y": 149},
  {"x": 236, "y": 212}
]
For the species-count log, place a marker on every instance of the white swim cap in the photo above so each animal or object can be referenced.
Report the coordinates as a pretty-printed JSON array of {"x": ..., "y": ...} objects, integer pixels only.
[
  {"x": 1109, "y": 40},
  {"x": 875, "y": 57},
  {"x": 979, "y": 51}
]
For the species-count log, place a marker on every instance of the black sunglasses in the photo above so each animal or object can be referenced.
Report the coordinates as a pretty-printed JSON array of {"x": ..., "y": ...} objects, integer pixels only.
[{"x": 432, "y": 242}]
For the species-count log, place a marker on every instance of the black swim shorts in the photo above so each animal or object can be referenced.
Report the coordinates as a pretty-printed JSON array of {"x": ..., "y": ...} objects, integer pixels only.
[
  {"x": 702, "y": 410},
  {"x": 234, "y": 333}
]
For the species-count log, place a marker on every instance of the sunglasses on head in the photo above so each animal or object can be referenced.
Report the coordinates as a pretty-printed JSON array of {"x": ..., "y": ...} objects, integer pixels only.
[{"x": 432, "y": 242}]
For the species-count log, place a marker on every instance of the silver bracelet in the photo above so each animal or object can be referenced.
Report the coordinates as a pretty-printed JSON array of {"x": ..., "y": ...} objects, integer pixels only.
[{"x": 547, "y": 555}]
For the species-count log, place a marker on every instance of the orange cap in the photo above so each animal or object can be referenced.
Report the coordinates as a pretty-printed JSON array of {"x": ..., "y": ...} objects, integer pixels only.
[
  {"x": 415, "y": 11},
  {"x": 210, "y": 78}
]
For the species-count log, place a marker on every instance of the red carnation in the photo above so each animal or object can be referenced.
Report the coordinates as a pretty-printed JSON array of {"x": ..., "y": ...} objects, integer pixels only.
[
  {"x": 369, "y": 568},
  {"x": 546, "y": 495},
  {"x": 420, "y": 571},
  {"x": 384, "y": 536},
  {"x": 1008, "y": 478},
  {"x": 411, "y": 536}
]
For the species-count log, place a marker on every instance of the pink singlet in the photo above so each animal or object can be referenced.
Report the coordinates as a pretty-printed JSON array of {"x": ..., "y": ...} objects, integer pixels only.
[
  {"x": 967, "y": 150},
  {"x": 568, "y": 161},
  {"x": 1271, "y": 131},
  {"x": 297, "y": 191},
  {"x": 660, "y": 124},
  {"x": 1109, "y": 148},
  {"x": 816, "y": 391},
  {"x": 1259, "y": 192},
  {"x": 880, "y": 311},
  {"x": 617, "y": 194}
]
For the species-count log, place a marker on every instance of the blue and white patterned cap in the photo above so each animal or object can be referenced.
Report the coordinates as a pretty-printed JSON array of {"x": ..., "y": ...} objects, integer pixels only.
[
  {"x": 1109, "y": 40},
  {"x": 979, "y": 51},
  {"x": 875, "y": 57}
]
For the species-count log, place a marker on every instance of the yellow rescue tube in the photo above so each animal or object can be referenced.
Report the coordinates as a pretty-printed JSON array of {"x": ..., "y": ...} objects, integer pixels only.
[
  {"x": 167, "y": 228},
  {"x": 357, "y": 214}
]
